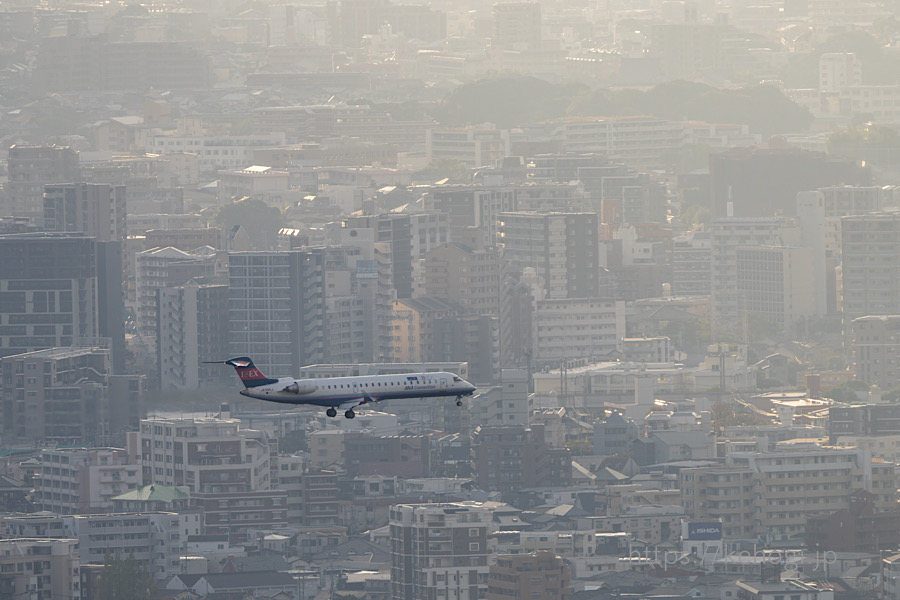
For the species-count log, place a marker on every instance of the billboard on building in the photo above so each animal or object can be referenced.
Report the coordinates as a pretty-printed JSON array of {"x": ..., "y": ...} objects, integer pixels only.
[{"x": 706, "y": 530}]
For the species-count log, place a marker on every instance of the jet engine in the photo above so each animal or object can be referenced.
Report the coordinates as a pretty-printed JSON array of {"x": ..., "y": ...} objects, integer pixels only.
[{"x": 299, "y": 387}]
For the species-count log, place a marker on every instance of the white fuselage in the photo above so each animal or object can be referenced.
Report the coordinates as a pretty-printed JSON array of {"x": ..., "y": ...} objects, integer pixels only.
[{"x": 347, "y": 392}]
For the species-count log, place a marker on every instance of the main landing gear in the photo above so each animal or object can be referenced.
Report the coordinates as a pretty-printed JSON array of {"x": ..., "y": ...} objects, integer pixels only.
[{"x": 332, "y": 412}]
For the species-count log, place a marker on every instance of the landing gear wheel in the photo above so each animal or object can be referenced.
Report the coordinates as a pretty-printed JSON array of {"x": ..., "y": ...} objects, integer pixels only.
[
  {"x": 459, "y": 401},
  {"x": 350, "y": 414},
  {"x": 331, "y": 412}
]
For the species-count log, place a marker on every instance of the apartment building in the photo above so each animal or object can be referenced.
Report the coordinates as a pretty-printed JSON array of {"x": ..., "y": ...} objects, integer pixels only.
[
  {"x": 154, "y": 538},
  {"x": 189, "y": 332},
  {"x": 276, "y": 308},
  {"x": 536, "y": 575},
  {"x": 94, "y": 209},
  {"x": 439, "y": 547},
  {"x": 465, "y": 275},
  {"x": 772, "y": 493},
  {"x": 472, "y": 207},
  {"x": 161, "y": 268},
  {"x": 562, "y": 248},
  {"x": 83, "y": 481},
  {"x": 67, "y": 395},
  {"x": 777, "y": 285},
  {"x": 210, "y": 455},
  {"x": 576, "y": 328},
  {"x": 511, "y": 458},
  {"x": 30, "y": 169},
  {"x": 40, "y": 569},
  {"x": 869, "y": 259}
]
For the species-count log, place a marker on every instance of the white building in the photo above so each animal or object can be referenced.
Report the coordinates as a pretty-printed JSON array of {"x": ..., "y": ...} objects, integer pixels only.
[
  {"x": 41, "y": 569},
  {"x": 838, "y": 70},
  {"x": 210, "y": 456},
  {"x": 216, "y": 152},
  {"x": 577, "y": 328},
  {"x": 153, "y": 538},
  {"x": 79, "y": 481}
]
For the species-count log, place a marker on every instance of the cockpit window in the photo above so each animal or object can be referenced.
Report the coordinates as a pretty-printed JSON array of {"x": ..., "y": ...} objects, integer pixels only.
[{"x": 457, "y": 379}]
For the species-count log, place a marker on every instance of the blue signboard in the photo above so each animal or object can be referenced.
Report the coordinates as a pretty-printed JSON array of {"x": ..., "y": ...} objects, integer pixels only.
[
  {"x": 366, "y": 269},
  {"x": 710, "y": 530}
]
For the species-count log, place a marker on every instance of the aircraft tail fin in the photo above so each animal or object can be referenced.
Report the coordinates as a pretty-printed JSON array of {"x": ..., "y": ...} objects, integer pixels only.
[{"x": 249, "y": 373}]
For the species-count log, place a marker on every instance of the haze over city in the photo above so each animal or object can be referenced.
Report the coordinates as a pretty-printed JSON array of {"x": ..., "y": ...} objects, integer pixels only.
[{"x": 570, "y": 300}]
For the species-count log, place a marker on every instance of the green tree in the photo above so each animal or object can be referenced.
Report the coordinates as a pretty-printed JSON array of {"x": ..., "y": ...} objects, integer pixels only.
[
  {"x": 259, "y": 219},
  {"x": 125, "y": 579},
  {"x": 872, "y": 143},
  {"x": 293, "y": 441}
]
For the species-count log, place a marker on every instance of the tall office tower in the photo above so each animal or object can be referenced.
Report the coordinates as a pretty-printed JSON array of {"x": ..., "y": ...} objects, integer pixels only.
[
  {"x": 535, "y": 575},
  {"x": 190, "y": 332},
  {"x": 517, "y": 25},
  {"x": 66, "y": 395},
  {"x": 94, "y": 209},
  {"x": 48, "y": 292},
  {"x": 870, "y": 259},
  {"x": 396, "y": 229},
  {"x": 277, "y": 309},
  {"x": 161, "y": 268},
  {"x": 439, "y": 548},
  {"x": 30, "y": 169},
  {"x": 472, "y": 207},
  {"x": 562, "y": 248},
  {"x": 727, "y": 236}
]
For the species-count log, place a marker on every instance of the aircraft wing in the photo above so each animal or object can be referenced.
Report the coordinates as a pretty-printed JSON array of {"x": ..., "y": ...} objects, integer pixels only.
[{"x": 353, "y": 403}]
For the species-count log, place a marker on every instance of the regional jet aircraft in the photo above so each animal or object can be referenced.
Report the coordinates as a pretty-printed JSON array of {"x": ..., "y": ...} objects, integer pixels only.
[{"x": 346, "y": 393}]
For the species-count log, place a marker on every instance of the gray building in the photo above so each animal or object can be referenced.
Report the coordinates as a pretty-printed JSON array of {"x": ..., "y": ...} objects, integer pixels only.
[
  {"x": 48, "y": 292},
  {"x": 94, "y": 209},
  {"x": 30, "y": 169},
  {"x": 614, "y": 435},
  {"x": 277, "y": 308}
]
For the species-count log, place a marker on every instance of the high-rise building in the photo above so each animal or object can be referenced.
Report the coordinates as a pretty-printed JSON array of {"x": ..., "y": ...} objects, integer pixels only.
[
  {"x": 776, "y": 286},
  {"x": 562, "y": 248},
  {"x": 876, "y": 350},
  {"x": 870, "y": 258},
  {"x": 277, "y": 308},
  {"x": 190, "y": 333},
  {"x": 575, "y": 328},
  {"x": 439, "y": 547},
  {"x": 161, "y": 268},
  {"x": 536, "y": 575},
  {"x": 48, "y": 291},
  {"x": 691, "y": 263},
  {"x": 465, "y": 275},
  {"x": 728, "y": 235},
  {"x": 93, "y": 209},
  {"x": 472, "y": 207},
  {"x": 396, "y": 229},
  {"x": 30, "y": 169}
]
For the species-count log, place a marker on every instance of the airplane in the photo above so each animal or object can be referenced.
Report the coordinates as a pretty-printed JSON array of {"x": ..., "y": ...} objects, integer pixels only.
[{"x": 346, "y": 393}]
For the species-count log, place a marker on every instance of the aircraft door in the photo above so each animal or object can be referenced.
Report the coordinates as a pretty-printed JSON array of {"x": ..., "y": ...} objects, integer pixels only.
[
  {"x": 355, "y": 387},
  {"x": 443, "y": 383}
]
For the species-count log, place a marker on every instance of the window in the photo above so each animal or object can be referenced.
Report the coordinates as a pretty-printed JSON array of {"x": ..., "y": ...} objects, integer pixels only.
[
  {"x": 473, "y": 532},
  {"x": 475, "y": 547}
]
